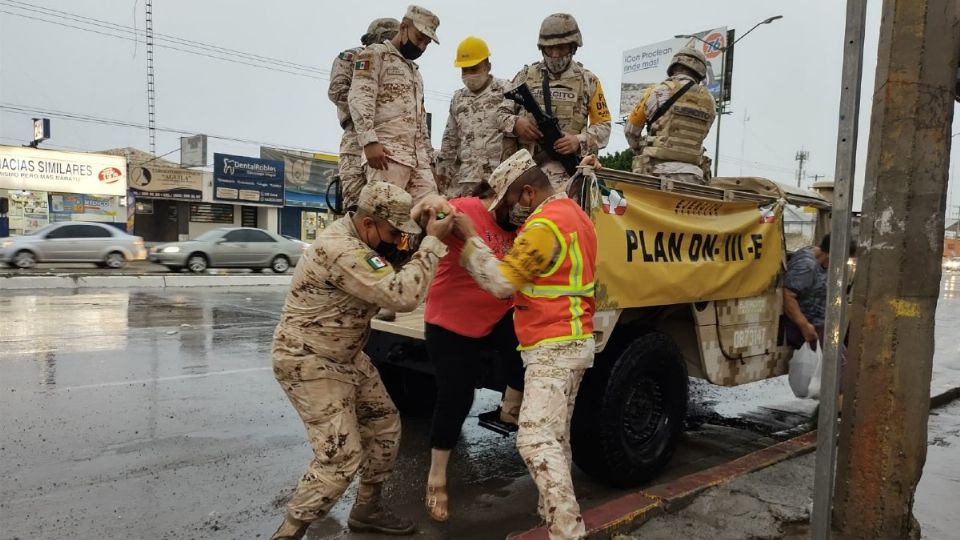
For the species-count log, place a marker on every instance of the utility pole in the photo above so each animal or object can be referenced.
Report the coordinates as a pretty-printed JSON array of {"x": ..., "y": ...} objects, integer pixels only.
[
  {"x": 802, "y": 157},
  {"x": 883, "y": 435},
  {"x": 151, "y": 89},
  {"x": 816, "y": 177}
]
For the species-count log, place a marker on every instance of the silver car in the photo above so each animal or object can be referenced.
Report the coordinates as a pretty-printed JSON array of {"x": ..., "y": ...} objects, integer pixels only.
[
  {"x": 229, "y": 247},
  {"x": 73, "y": 241}
]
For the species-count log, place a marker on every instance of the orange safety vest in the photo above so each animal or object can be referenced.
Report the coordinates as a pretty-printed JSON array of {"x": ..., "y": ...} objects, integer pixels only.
[{"x": 558, "y": 305}]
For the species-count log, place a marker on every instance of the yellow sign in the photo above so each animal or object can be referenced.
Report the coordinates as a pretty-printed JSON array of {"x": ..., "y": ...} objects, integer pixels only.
[{"x": 659, "y": 248}]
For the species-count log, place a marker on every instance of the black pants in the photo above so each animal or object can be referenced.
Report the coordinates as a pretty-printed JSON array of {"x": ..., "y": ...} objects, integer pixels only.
[{"x": 460, "y": 362}]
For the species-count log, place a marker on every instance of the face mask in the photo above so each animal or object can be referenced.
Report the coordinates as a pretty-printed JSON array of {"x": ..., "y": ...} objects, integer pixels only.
[
  {"x": 409, "y": 50},
  {"x": 506, "y": 225},
  {"x": 475, "y": 82},
  {"x": 557, "y": 65},
  {"x": 389, "y": 251},
  {"x": 519, "y": 214}
]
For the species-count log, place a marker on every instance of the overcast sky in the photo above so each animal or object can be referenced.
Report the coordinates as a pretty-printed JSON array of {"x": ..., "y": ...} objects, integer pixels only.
[{"x": 785, "y": 87}]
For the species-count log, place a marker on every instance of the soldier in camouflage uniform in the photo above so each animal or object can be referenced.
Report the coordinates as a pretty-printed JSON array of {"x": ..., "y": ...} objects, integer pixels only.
[
  {"x": 550, "y": 273},
  {"x": 673, "y": 146},
  {"x": 472, "y": 142},
  {"x": 318, "y": 357},
  {"x": 387, "y": 107},
  {"x": 341, "y": 74},
  {"x": 576, "y": 97}
]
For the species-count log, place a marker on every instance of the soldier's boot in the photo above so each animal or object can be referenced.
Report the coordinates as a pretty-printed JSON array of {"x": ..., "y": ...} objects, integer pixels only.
[
  {"x": 387, "y": 315},
  {"x": 291, "y": 529},
  {"x": 369, "y": 514},
  {"x": 510, "y": 406}
]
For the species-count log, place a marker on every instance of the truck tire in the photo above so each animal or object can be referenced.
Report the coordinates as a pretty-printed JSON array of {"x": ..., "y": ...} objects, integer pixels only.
[{"x": 630, "y": 411}]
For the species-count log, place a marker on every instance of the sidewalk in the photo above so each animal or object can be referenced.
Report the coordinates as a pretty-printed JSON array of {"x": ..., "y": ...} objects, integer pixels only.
[
  {"x": 135, "y": 275},
  {"x": 775, "y": 502}
]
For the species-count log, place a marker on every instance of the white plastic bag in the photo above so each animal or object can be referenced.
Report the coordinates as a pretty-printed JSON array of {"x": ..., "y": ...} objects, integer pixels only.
[{"x": 805, "y": 368}]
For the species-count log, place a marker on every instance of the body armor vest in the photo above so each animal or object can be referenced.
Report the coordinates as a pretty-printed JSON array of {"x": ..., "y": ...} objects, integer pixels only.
[{"x": 678, "y": 135}]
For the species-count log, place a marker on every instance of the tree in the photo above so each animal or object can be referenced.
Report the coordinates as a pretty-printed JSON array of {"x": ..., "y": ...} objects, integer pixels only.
[{"x": 621, "y": 161}]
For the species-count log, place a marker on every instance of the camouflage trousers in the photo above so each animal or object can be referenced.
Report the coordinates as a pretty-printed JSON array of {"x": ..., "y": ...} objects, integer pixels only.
[
  {"x": 460, "y": 189},
  {"x": 417, "y": 182},
  {"x": 543, "y": 441},
  {"x": 352, "y": 179},
  {"x": 351, "y": 428}
]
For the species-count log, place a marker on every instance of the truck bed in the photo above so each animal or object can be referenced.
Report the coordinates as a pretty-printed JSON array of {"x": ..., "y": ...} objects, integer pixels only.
[{"x": 407, "y": 324}]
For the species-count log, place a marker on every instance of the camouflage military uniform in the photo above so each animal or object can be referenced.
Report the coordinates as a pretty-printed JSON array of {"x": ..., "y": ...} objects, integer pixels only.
[
  {"x": 317, "y": 357},
  {"x": 386, "y": 104},
  {"x": 472, "y": 142},
  {"x": 351, "y": 170},
  {"x": 687, "y": 163},
  {"x": 578, "y": 104}
]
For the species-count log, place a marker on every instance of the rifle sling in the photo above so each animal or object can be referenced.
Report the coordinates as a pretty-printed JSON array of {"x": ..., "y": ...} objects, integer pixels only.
[
  {"x": 547, "y": 100},
  {"x": 669, "y": 103}
]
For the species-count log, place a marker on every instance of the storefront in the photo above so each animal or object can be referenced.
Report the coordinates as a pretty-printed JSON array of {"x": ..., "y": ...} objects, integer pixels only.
[
  {"x": 45, "y": 186},
  {"x": 164, "y": 194},
  {"x": 244, "y": 191},
  {"x": 306, "y": 177}
]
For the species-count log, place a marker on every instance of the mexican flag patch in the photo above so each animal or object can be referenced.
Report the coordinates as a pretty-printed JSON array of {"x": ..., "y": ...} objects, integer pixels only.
[
  {"x": 614, "y": 203},
  {"x": 347, "y": 55},
  {"x": 376, "y": 262},
  {"x": 362, "y": 65}
]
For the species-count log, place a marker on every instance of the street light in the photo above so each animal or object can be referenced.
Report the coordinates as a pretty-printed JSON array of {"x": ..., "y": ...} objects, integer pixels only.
[{"x": 721, "y": 105}]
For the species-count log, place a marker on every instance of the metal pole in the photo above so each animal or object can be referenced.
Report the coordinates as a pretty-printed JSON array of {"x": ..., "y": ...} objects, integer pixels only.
[
  {"x": 720, "y": 108},
  {"x": 837, "y": 274}
]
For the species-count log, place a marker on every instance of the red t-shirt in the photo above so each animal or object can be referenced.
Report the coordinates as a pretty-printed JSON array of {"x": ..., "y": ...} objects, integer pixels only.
[{"x": 455, "y": 302}]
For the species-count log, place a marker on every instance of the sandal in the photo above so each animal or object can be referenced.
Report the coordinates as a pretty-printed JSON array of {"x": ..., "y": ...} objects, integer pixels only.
[{"x": 436, "y": 503}]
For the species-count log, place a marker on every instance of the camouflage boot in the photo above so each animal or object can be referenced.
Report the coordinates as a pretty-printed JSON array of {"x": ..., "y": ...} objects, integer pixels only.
[
  {"x": 369, "y": 514},
  {"x": 291, "y": 529}
]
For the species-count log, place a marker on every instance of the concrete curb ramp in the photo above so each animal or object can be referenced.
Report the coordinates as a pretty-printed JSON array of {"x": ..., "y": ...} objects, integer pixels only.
[
  {"x": 626, "y": 513},
  {"x": 94, "y": 281}
]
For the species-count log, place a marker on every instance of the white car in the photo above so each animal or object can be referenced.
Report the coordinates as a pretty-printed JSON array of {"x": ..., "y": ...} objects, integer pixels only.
[
  {"x": 73, "y": 241},
  {"x": 229, "y": 247}
]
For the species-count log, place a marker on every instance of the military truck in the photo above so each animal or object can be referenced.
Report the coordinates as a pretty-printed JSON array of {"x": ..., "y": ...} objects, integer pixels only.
[{"x": 632, "y": 404}]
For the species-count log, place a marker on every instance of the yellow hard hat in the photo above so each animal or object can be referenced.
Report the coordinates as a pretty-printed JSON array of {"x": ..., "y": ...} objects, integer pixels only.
[{"x": 471, "y": 52}]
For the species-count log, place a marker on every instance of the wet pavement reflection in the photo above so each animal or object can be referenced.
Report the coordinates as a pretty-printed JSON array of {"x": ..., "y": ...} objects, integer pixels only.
[{"x": 154, "y": 414}]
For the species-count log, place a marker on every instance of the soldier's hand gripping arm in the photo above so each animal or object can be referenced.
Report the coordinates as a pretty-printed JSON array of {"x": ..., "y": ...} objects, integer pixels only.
[
  {"x": 367, "y": 276},
  {"x": 363, "y": 104},
  {"x": 533, "y": 251},
  {"x": 509, "y": 110},
  {"x": 637, "y": 121},
  {"x": 596, "y": 134}
]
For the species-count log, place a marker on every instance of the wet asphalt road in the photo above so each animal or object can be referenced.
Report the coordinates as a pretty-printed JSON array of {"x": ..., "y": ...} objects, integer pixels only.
[{"x": 153, "y": 414}]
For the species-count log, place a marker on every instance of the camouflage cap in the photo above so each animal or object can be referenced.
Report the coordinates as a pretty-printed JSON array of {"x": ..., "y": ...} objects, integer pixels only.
[
  {"x": 425, "y": 21},
  {"x": 507, "y": 173},
  {"x": 389, "y": 203}
]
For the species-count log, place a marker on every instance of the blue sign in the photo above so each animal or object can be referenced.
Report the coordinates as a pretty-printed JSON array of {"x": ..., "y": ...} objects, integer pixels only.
[{"x": 247, "y": 180}]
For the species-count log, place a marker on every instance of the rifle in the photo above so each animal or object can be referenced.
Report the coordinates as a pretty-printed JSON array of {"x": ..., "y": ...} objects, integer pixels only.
[{"x": 547, "y": 124}]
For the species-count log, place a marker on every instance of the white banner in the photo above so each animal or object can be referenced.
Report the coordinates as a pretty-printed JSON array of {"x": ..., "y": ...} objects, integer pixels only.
[
  {"x": 29, "y": 169},
  {"x": 647, "y": 65}
]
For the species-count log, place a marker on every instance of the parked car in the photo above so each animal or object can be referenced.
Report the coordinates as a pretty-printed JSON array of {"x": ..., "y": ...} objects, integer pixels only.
[
  {"x": 73, "y": 241},
  {"x": 303, "y": 245},
  {"x": 229, "y": 247},
  {"x": 952, "y": 265}
]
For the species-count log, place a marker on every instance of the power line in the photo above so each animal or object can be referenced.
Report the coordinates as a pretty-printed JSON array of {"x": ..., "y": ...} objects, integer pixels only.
[
  {"x": 212, "y": 51},
  {"x": 66, "y": 115}
]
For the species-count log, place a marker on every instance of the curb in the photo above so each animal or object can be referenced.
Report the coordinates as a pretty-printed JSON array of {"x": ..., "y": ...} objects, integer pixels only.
[
  {"x": 67, "y": 281},
  {"x": 624, "y": 514}
]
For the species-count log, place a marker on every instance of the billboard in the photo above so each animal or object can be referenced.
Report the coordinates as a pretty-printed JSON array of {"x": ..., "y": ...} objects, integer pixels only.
[
  {"x": 158, "y": 182},
  {"x": 647, "y": 65},
  {"x": 193, "y": 151},
  {"x": 247, "y": 180},
  {"x": 28, "y": 169}
]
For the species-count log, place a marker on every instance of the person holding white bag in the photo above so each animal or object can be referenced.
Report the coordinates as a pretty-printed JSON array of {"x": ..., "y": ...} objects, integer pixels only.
[{"x": 805, "y": 298}]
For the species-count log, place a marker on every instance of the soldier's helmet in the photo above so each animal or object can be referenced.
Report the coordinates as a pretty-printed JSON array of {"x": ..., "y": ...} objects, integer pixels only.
[
  {"x": 559, "y": 29},
  {"x": 690, "y": 58},
  {"x": 380, "y": 30}
]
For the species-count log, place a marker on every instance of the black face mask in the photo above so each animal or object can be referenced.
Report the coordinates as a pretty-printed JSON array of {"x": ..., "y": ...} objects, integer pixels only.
[
  {"x": 389, "y": 251},
  {"x": 409, "y": 50}
]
